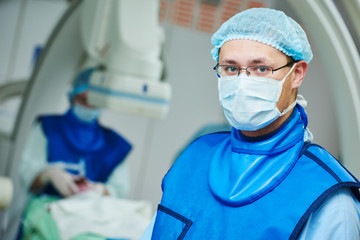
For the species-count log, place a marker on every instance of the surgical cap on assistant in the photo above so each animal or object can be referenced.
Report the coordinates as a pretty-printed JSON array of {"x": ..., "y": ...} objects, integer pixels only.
[
  {"x": 81, "y": 82},
  {"x": 268, "y": 26}
]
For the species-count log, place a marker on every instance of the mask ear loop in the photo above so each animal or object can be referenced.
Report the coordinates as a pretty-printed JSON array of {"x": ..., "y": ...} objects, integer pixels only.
[
  {"x": 291, "y": 69},
  {"x": 294, "y": 103},
  {"x": 288, "y": 108},
  {"x": 299, "y": 100}
]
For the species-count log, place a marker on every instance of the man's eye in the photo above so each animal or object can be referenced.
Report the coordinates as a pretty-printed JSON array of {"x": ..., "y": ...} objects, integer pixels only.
[
  {"x": 230, "y": 69},
  {"x": 262, "y": 69}
]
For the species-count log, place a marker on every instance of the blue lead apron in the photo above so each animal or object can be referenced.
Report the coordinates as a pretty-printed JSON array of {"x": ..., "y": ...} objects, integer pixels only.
[
  {"x": 208, "y": 195},
  {"x": 71, "y": 141}
]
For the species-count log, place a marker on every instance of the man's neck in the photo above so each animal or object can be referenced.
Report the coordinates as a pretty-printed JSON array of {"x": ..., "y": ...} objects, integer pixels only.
[{"x": 268, "y": 129}]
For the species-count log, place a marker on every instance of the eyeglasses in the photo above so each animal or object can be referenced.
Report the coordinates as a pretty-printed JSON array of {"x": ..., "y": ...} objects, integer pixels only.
[{"x": 259, "y": 71}]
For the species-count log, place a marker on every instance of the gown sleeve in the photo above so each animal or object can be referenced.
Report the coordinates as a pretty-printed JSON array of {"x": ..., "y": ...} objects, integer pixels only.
[
  {"x": 337, "y": 218},
  {"x": 118, "y": 183}
]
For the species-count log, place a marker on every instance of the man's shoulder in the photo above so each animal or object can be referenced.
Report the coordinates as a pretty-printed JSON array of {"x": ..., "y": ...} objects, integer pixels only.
[
  {"x": 327, "y": 161},
  {"x": 318, "y": 153}
]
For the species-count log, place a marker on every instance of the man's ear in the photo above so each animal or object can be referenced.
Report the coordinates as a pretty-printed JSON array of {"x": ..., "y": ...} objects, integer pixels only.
[{"x": 299, "y": 73}]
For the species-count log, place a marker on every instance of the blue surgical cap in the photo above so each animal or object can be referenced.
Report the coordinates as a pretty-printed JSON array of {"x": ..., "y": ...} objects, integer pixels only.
[
  {"x": 266, "y": 26},
  {"x": 81, "y": 82}
]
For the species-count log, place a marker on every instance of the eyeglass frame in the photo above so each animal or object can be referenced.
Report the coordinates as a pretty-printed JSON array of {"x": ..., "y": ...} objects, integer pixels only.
[{"x": 248, "y": 72}]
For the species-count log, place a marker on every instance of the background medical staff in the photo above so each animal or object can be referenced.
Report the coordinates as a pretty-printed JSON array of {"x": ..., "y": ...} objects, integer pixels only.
[{"x": 67, "y": 154}]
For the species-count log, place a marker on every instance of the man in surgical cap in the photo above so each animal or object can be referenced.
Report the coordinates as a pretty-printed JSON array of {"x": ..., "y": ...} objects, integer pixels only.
[
  {"x": 71, "y": 153},
  {"x": 264, "y": 179}
]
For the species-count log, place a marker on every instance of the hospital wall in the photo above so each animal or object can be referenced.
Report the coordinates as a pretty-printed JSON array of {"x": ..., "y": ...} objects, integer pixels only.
[{"x": 189, "y": 70}]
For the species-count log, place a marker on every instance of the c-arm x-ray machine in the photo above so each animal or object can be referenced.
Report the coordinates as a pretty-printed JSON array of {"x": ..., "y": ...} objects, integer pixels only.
[{"x": 129, "y": 46}]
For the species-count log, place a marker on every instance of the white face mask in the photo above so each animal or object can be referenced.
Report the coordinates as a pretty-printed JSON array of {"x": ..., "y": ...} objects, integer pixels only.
[
  {"x": 85, "y": 114},
  {"x": 249, "y": 102}
]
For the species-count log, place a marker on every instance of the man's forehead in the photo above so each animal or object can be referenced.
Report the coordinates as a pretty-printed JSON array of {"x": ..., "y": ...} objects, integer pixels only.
[{"x": 249, "y": 52}]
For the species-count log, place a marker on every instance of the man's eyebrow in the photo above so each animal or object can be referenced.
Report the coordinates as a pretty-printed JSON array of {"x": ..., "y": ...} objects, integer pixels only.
[
  {"x": 258, "y": 61},
  {"x": 229, "y": 61}
]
